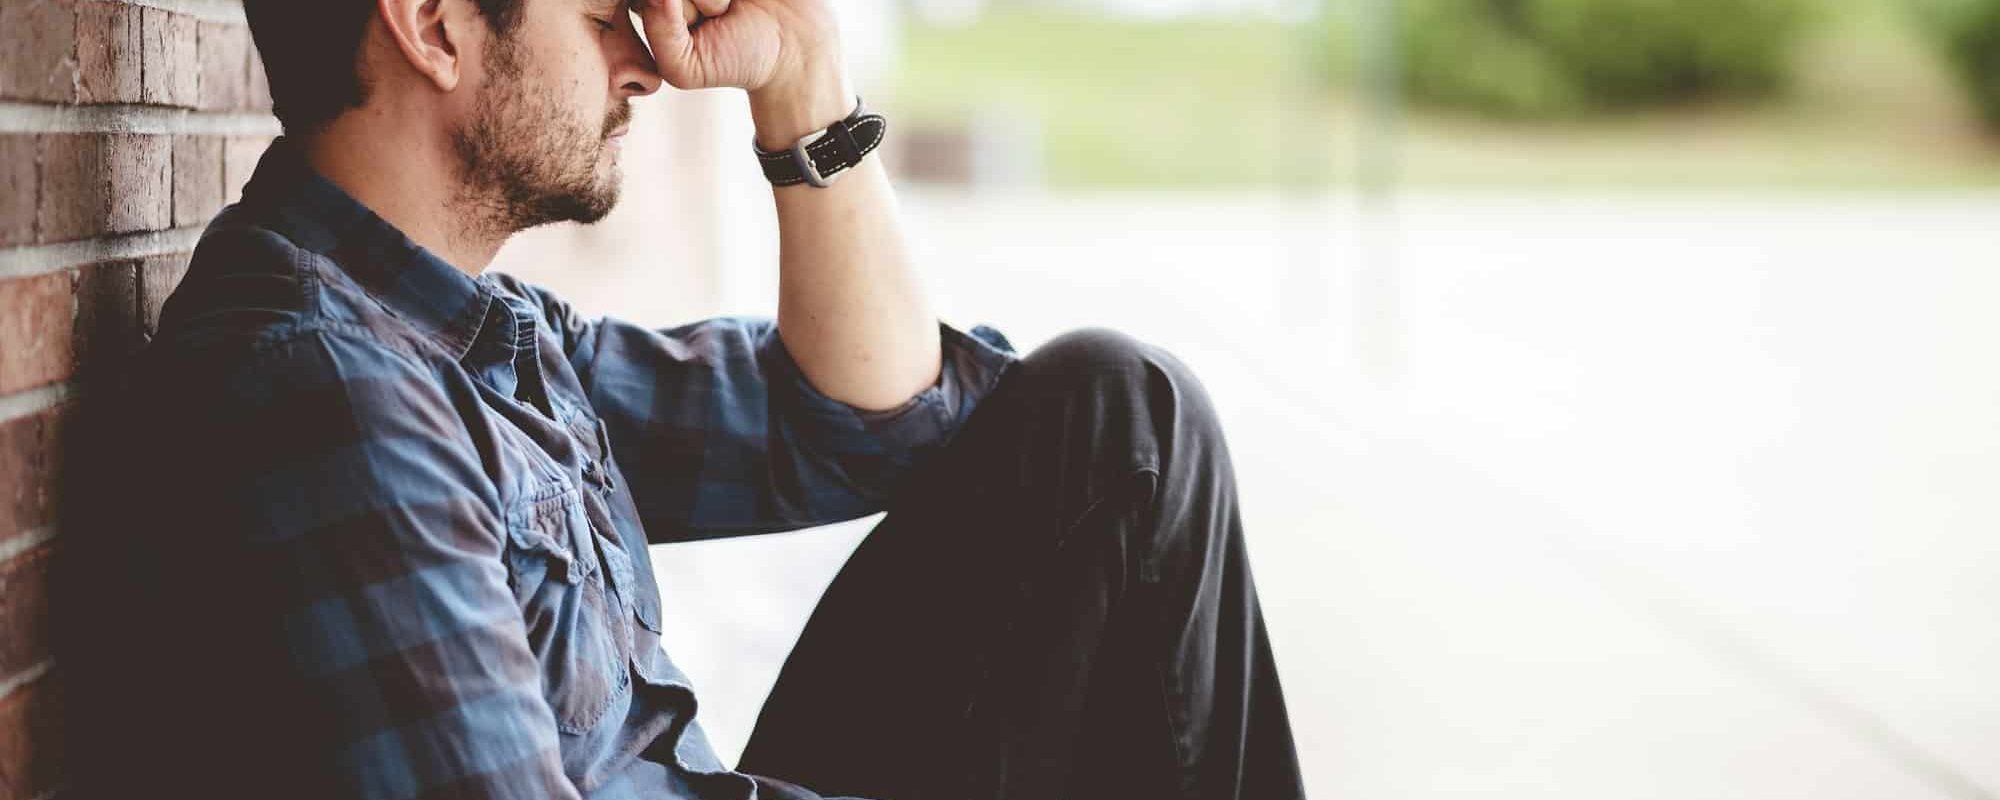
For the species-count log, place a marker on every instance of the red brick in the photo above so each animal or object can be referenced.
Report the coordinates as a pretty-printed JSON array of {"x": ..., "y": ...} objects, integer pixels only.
[
  {"x": 197, "y": 179},
  {"x": 72, "y": 198},
  {"x": 31, "y": 739},
  {"x": 260, "y": 83},
  {"x": 225, "y": 66},
  {"x": 36, "y": 316},
  {"x": 171, "y": 71},
  {"x": 24, "y": 609},
  {"x": 239, "y": 160},
  {"x": 108, "y": 52},
  {"x": 94, "y": 184},
  {"x": 106, "y": 327},
  {"x": 28, "y": 454},
  {"x": 38, "y": 59},
  {"x": 18, "y": 176},
  {"x": 63, "y": 323},
  {"x": 158, "y": 276},
  {"x": 66, "y": 323},
  {"x": 141, "y": 182}
]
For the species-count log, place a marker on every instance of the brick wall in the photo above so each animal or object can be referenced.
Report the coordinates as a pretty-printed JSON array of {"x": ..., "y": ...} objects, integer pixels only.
[{"x": 124, "y": 126}]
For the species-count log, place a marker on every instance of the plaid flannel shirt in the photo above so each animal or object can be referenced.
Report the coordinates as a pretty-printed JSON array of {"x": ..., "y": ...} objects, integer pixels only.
[{"x": 418, "y": 566}]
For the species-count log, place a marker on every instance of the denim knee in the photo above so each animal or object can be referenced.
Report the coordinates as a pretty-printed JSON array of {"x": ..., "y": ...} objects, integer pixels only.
[
  {"x": 1095, "y": 353},
  {"x": 1116, "y": 368}
]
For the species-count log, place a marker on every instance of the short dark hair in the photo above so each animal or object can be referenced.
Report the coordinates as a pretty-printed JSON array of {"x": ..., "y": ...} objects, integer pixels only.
[{"x": 311, "y": 51}]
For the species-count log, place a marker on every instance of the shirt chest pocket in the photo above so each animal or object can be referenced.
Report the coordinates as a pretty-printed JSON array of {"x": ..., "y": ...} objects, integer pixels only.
[{"x": 558, "y": 579}]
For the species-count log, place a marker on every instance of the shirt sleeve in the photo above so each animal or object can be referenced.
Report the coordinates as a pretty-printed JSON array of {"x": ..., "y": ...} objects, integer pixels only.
[
  {"x": 719, "y": 433},
  {"x": 369, "y": 616}
]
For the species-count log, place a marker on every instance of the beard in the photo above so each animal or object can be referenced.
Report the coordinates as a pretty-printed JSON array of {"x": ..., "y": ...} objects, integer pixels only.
[{"x": 525, "y": 159}]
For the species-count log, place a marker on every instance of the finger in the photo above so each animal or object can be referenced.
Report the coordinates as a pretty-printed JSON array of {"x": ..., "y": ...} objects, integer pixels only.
[
  {"x": 685, "y": 14},
  {"x": 666, "y": 23},
  {"x": 652, "y": 12},
  {"x": 711, "y": 8}
]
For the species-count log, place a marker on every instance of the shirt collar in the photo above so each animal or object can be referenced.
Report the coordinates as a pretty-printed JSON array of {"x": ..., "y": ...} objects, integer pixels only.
[{"x": 442, "y": 303}]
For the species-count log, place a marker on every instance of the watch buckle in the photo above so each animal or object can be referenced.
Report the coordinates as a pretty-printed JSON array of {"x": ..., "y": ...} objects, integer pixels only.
[{"x": 806, "y": 164}]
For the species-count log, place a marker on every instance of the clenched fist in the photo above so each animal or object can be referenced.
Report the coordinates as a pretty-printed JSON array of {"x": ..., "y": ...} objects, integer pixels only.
[{"x": 756, "y": 45}]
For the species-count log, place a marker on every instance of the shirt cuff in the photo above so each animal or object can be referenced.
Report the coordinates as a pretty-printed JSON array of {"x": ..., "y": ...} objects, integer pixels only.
[{"x": 972, "y": 365}]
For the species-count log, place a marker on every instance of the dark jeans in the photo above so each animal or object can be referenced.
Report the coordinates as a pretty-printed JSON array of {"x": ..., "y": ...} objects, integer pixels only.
[{"x": 1059, "y": 607}]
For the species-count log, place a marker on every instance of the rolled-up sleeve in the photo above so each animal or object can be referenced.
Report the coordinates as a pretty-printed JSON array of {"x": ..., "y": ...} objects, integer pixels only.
[{"x": 719, "y": 433}]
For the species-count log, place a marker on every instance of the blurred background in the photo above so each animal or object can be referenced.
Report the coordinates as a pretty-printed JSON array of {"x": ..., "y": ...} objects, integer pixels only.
[{"x": 1612, "y": 383}]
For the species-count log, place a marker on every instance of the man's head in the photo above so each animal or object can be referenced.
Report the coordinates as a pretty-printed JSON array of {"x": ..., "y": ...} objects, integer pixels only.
[{"x": 528, "y": 94}]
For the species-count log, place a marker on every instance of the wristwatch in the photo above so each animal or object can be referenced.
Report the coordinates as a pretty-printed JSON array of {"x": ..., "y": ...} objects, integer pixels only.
[{"x": 822, "y": 155}]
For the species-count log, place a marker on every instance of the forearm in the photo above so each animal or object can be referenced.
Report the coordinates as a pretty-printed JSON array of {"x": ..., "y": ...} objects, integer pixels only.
[{"x": 852, "y": 308}]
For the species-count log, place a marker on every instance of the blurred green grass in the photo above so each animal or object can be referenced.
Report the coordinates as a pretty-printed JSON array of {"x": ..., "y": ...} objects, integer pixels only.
[
  {"x": 1118, "y": 103},
  {"x": 1242, "y": 102}
]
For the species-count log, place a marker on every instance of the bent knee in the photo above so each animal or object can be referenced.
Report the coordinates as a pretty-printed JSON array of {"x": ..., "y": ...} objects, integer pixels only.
[
  {"x": 1110, "y": 363},
  {"x": 1093, "y": 352}
]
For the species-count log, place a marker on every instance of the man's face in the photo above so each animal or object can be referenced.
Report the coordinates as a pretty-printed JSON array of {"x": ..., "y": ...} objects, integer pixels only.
[{"x": 541, "y": 142}]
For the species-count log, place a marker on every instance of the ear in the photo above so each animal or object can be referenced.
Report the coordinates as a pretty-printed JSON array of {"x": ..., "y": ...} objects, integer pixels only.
[{"x": 432, "y": 35}]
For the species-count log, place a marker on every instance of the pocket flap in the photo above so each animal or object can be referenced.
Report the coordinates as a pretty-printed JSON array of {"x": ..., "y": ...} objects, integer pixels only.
[{"x": 553, "y": 525}]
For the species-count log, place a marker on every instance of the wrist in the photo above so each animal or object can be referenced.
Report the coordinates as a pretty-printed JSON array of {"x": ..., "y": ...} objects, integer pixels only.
[{"x": 782, "y": 113}]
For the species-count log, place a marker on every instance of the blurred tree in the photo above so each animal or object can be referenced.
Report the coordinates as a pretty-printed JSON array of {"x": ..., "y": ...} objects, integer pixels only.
[
  {"x": 1969, "y": 33},
  {"x": 1563, "y": 57}
]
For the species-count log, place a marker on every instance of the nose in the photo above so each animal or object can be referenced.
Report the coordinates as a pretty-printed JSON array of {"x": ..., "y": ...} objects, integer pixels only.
[{"x": 632, "y": 67}]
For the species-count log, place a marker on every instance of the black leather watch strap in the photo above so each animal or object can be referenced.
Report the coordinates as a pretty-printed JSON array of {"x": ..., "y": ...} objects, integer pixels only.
[{"x": 822, "y": 155}]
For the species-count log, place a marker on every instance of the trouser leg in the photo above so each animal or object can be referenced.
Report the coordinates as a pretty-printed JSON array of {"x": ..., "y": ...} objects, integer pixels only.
[{"x": 1058, "y": 606}]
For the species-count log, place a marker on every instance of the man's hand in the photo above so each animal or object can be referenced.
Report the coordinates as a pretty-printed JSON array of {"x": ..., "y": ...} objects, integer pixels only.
[
  {"x": 785, "y": 53},
  {"x": 851, "y": 310}
]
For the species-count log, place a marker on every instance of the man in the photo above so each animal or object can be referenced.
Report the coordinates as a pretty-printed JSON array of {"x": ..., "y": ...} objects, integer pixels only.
[{"x": 394, "y": 538}]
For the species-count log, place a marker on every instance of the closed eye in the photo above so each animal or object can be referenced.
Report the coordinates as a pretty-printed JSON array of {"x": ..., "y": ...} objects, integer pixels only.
[{"x": 604, "y": 25}]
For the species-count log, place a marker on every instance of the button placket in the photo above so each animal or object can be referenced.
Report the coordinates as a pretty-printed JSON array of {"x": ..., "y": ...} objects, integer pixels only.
[
  {"x": 601, "y": 464},
  {"x": 593, "y": 453}
]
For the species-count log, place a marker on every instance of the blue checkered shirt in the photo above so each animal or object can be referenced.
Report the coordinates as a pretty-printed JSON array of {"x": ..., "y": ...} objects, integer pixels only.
[{"x": 418, "y": 566}]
